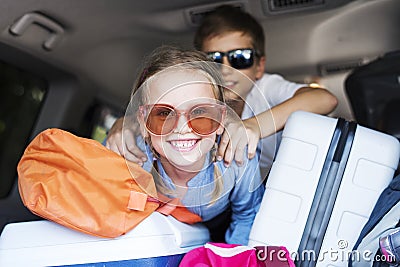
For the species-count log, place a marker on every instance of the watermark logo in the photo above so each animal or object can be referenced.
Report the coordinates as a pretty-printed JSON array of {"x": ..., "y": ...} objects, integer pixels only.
[
  {"x": 339, "y": 254},
  {"x": 342, "y": 244}
]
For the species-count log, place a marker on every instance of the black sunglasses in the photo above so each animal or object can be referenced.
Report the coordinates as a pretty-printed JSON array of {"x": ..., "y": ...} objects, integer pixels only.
[{"x": 242, "y": 58}]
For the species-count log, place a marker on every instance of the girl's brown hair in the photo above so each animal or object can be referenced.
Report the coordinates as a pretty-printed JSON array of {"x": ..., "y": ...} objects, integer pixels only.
[{"x": 165, "y": 57}]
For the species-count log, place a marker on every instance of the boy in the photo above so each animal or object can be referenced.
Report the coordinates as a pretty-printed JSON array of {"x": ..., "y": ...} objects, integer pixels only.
[{"x": 262, "y": 100}]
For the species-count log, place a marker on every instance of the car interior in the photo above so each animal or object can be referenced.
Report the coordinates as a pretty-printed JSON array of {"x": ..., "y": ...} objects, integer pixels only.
[{"x": 71, "y": 64}]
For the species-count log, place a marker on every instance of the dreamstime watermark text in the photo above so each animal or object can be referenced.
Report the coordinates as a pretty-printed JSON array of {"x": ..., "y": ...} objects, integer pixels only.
[{"x": 339, "y": 254}]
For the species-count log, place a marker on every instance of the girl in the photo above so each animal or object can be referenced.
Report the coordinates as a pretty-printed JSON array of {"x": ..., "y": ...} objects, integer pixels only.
[{"x": 178, "y": 101}]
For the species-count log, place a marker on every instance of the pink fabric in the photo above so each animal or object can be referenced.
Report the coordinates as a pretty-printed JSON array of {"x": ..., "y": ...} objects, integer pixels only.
[{"x": 227, "y": 255}]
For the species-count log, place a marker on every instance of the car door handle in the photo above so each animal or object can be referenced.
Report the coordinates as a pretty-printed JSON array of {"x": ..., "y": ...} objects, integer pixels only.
[{"x": 55, "y": 29}]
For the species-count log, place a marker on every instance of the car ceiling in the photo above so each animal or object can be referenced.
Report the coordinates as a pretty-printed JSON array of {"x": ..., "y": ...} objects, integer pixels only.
[{"x": 104, "y": 41}]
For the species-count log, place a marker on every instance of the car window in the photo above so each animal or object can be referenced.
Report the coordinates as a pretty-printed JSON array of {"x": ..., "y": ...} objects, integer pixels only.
[
  {"x": 102, "y": 120},
  {"x": 22, "y": 95}
]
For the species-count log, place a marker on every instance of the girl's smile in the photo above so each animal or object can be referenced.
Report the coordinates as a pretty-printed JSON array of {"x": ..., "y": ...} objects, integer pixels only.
[{"x": 184, "y": 145}]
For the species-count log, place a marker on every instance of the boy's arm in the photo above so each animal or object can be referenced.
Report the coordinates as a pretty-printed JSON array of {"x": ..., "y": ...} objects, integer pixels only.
[
  {"x": 115, "y": 143},
  {"x": 239, "y": 134},
  {"x": 236, "y": 137},
  {"x": 315, "y": 100}
]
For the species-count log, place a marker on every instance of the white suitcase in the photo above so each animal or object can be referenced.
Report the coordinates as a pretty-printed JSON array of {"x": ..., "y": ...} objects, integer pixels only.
[
  {"x": 157, "y": 241},
  {"x": 322, "y": 187}
]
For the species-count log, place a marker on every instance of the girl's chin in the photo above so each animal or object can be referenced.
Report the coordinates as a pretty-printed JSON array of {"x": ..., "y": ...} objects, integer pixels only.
[
  {"x": 186, "y": 163},
  {"x": 186, "y": 157}
]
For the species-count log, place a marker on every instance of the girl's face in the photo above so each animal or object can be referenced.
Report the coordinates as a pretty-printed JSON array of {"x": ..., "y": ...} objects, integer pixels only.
[{"x": 182, "y": 90}]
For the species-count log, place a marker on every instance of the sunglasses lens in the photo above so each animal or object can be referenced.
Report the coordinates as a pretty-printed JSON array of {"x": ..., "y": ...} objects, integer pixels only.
[
  {"x": 205, "y": 119},
  {"x": 241, "y": 58},
  {"x": 161, "y": 120},
  {"x": 216, "y": 56},
  {"x": 202, "y": 119}
]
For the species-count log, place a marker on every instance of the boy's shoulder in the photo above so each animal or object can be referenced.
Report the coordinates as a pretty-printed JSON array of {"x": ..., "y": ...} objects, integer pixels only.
[
  {"x": 270, "y": 78},
  {"x": 272, "y": 88}
]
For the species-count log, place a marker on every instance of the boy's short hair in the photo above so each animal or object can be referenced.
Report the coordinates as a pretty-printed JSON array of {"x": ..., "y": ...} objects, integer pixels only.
[{"x": 227, "y": 18}]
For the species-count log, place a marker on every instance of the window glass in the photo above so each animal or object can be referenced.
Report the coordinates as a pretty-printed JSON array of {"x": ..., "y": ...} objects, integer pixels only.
[
  {"x": 103, "y": 121},
  {"x": 22, "y": 95},
  {"x": 98, "y": 120}
]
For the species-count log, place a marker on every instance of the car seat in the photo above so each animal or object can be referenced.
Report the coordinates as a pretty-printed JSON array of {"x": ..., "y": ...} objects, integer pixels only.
[{"x": 373, "y": 91}]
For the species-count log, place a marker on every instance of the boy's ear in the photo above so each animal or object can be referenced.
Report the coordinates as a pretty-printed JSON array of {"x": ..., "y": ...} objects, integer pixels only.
[{"x": 260, "y": 67}]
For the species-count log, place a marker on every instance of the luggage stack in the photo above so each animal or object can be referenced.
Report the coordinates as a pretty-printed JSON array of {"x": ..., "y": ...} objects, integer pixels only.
[{"x": 322, "y": 187}]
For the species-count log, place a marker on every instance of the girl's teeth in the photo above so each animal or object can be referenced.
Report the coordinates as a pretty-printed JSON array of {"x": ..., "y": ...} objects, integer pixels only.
[{"x": 183, "y": 144}]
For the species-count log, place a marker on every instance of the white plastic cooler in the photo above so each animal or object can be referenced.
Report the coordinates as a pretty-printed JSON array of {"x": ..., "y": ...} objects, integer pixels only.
[{"x": 157, "y": 241}]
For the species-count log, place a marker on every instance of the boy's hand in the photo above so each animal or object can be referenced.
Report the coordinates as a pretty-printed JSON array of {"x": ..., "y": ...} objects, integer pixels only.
[
  {"x": 114, "y": 143},
  {"x": 235, "y": 138}
]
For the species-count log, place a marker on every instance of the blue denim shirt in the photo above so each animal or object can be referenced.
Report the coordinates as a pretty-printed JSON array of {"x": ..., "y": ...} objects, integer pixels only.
[{"x": 243, "y": 192}]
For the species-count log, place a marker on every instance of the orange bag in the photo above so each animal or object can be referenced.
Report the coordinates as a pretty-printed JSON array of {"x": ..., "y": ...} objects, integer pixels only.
[{"x": 79, "y": 183}]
